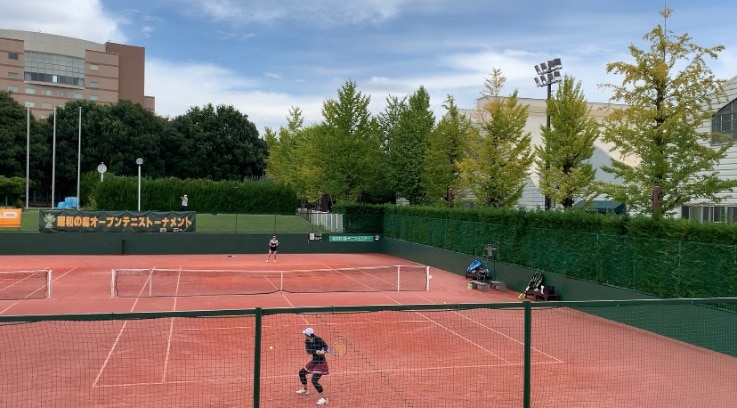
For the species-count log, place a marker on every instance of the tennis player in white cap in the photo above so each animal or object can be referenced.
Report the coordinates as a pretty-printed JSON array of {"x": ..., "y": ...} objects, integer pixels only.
[{"x": 318, "y": 365}]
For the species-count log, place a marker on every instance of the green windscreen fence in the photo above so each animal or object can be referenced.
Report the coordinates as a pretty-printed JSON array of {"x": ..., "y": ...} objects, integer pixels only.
[
  {"x": 664, "y": 268},
  {"x": 650, "y": 353}
]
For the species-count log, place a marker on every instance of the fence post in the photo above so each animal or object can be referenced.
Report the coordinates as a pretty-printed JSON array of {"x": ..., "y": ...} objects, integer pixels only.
[
  {"x": 528, "y": 353},
  {"x": 257, "y": 359}
]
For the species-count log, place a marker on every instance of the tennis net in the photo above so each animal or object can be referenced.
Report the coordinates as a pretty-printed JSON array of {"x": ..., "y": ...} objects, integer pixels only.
[
  {"x": 16, "y": 285},
  {"x": 196, "y": 282}
]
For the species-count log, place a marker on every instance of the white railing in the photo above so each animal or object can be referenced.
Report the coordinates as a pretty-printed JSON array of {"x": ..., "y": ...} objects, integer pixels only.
[{"x": 329, "y": 221}]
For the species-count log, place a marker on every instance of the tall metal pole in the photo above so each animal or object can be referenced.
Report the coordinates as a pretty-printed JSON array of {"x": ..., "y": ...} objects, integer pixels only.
[
  {"x": 79, "y": 155},
  {"x": 548, "y": 74},
  {"x": 53, "y": 164},
  {"x": 139, "y": 188},
  {"x": 139, "y": 162},
  {"x": 28, "y": 153}
]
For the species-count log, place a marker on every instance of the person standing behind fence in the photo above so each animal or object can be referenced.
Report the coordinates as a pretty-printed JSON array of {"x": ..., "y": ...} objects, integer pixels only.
[
  {"x": 185, "y": 201},
  {"x": 273, "y": 246}
]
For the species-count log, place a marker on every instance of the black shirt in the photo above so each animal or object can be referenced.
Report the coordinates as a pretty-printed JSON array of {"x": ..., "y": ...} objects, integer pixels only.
[{"x": 313, "y": 346}]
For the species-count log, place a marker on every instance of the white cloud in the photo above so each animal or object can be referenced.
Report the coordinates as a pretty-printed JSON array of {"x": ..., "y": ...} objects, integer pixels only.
[
  {"x": 84, "y": 19},
  {"x": 178, "y": 88},
  {"x": 337, "y": 12}
]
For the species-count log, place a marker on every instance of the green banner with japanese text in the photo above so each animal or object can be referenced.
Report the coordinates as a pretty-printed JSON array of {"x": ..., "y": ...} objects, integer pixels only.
[
  {"x": 352, "y": 238},
  {"x": 69, "y": 220}
]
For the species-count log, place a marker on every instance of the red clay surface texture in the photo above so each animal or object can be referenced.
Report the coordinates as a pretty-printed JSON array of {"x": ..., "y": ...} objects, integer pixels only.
[{"x": 440, "y": 358}]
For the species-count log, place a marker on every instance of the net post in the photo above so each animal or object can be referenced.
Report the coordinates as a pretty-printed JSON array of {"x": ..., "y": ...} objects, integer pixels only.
[
  {"x": 112, "y": 283},
  {"x": 150, "y": 282},
  {"x": 427, "y": 278},
  {"x": 48, "y": 284},
  {"x": 399, "y": 273}
]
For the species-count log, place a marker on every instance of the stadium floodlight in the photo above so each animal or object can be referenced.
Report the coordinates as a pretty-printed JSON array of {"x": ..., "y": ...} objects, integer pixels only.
[{"x": 548, "y": 73}]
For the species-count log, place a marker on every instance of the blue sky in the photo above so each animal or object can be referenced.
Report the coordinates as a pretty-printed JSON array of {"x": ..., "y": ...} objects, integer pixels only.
[{"x": 266, "y": 56}]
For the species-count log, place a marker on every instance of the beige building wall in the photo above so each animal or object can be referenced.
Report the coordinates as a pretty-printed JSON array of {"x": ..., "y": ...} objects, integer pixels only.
[{"x": 112, "y": 72}]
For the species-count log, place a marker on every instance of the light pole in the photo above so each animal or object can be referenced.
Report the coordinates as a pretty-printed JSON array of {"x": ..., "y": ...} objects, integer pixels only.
[
  {"x": 79, "y": 155},
  {"x": 548, "y": 73},
  {"x": 139, "y": 162}
]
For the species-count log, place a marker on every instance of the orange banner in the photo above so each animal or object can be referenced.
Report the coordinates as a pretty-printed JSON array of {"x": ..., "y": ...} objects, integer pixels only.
[{"x": 10, "y": 217}]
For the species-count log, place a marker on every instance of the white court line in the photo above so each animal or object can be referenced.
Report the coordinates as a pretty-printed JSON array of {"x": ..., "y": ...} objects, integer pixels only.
[
  {"x": 171, "y": 330},
  {"x": 510, "y": 338},
  {"x": 117, "y": 340},
  {"x": 520, "y": 342}
]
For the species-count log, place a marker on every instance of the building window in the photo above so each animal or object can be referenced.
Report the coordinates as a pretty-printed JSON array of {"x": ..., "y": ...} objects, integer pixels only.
[
  {"x": 29, "y": 105},
  {"x": 94, "y": 84},
  {"x": 46, "y": 105},
  {"x": 13, "y": 89},
  {"x": 13, "y": 56},
  {"x": 12, "y": 75},
  {"x": 94, "y": 67},
  {"x": 30, "y": 91},
  {"x": 720, "y": 214},
  {"x": 63, "y": 94},
  {"x": 46, "y": 92},
  {"x": 93, "y": 97},
  {"x": 78, "y": 96},
  {"x": 54, "y": 68},
  {"x": 724, "y": 121}
]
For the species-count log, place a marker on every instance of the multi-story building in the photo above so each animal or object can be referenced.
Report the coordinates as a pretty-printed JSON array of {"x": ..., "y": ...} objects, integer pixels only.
[
  {"x": 723, "y": 121},
  {"x": 42, "y": 71}
]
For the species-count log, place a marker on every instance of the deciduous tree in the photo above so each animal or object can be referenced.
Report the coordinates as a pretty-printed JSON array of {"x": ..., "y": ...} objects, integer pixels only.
[
  {"x": 669, "y": 90},
  {"x": 562, "y": 159},
  {"x": 496, "y": 167}
]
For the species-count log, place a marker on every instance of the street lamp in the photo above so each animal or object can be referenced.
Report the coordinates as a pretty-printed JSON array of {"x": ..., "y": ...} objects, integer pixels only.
[
  {"x": 139, "y": 162},
  {"x": 548, "y": 73}
]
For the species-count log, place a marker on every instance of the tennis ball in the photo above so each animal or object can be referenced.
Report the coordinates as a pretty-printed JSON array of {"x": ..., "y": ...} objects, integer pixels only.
[{"x": 271, "y": 347}]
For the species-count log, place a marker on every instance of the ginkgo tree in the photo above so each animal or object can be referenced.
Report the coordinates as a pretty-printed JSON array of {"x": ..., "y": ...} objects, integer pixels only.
[
  {"x": 563, "y": 159},
  {"x": 499, "y": 154},
  {"x": 668, "y": 90}
]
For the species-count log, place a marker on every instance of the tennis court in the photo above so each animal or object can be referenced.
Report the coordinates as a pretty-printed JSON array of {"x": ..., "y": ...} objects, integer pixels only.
[{"x": 439, "y": 355}]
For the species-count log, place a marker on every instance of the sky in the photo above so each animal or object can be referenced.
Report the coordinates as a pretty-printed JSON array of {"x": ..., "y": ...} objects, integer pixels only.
[{"x": 267, "y": 57}]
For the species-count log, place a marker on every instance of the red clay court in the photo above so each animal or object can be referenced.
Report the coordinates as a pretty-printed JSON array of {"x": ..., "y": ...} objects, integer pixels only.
[{"x": 449, "y": 356}]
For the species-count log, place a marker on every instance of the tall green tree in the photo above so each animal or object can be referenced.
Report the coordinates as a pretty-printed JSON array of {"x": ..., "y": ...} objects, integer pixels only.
[
  {"x": 499, "y": 157},
  {"x": 281, "y": 165},
  {"x": 349, "y": 145},
  {"x": 119, "y": 134},
  {"x": 406, "y": 148},
  {"x": 669, "y": 90},
  {"x": 12, "y": 136},
  {"x": 292, "y": 159},
  {"x": 447, "y": 146},
  {"x": 16, "y": 125},
  {"x": 216, "y": 143},
  {"x": 562, "y": 158}
]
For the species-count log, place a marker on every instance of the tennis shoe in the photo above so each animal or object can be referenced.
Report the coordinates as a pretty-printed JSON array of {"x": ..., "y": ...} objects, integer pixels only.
[
  {"x": 303, "y": 391},
  {"x": 322, "y": 401}
]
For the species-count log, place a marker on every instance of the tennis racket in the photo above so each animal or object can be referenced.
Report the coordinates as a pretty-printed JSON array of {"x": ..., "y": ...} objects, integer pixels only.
[{"x": 338, "y": 349}]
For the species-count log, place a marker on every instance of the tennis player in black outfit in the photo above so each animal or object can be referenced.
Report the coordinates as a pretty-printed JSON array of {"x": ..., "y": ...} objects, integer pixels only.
[
  {"x": 318, "y": 365},
  {"x": 273, "y": 246}
]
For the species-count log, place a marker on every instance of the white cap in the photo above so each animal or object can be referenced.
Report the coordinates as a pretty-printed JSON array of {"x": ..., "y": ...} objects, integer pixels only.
[{"x": 308, "y": 331}]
